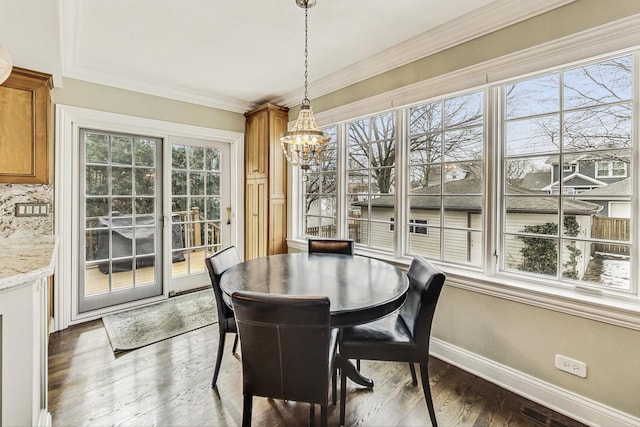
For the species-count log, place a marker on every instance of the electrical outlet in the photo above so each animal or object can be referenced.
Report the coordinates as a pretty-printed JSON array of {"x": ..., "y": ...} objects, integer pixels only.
[
  {"x": 572, "y": 366},
  {"x": 32, "y": 209}
]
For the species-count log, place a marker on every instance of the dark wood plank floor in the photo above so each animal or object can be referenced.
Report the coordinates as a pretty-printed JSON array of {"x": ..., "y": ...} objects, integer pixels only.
[{"x": 168, "y": 384}]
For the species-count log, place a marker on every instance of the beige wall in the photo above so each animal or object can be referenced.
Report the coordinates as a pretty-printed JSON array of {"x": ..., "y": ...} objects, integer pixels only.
[
  {"x": 83, "y": 94},
  {"x": 527, "y": 338},
  {"x": 521, "y": 336}
]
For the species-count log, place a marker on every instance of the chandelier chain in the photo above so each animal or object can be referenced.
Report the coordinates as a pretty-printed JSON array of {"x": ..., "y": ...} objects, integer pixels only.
[
  {"x": 306, "y": 54},
  {"x": 305, "y": 145}
]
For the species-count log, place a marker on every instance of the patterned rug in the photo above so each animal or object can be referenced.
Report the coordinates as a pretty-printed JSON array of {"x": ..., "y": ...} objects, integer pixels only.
[{"x": 142, "y": 326}]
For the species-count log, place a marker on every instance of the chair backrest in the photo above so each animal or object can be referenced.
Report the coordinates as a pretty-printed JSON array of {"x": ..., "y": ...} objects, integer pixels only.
[
  {"x": 217, "y": 264},
  {"x": 425, "y": 284},
  {"x": 285, "y": 342},
  {"x": 330, "y": 246}
]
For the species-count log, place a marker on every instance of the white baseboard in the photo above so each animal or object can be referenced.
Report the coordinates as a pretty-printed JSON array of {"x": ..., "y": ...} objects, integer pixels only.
[{"x": 565, "y": 402}]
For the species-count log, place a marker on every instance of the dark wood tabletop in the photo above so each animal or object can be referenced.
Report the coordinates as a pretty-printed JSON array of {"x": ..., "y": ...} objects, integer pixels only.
[{"x": 360, "y": 289}]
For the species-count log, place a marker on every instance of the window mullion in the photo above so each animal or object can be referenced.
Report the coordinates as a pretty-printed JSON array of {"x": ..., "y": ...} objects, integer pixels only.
[
  {"x": 494, "y": 132},
  {"x": 341, "y": 181},
  {"x": 401, "y": 188}
]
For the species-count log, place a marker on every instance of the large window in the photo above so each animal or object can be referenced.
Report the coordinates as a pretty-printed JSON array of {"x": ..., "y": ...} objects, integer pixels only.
[
  {"x": 319, "y": 193},
  {"x": 529, "y": 180},
  {"x": 580, "y": 115},
  {"x": 371, "y": 160},
  {"x": 446, "y": 145}
]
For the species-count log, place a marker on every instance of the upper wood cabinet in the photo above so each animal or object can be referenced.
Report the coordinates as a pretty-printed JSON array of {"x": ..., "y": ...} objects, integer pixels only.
[
  {"x": 25, "y": 123},
  {"x": 266, "y": 182},
  {"x": 263, "y": 128}
]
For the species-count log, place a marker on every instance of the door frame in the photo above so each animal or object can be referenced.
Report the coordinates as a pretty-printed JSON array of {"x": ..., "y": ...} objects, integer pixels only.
[{"x": 69, "y": 120}]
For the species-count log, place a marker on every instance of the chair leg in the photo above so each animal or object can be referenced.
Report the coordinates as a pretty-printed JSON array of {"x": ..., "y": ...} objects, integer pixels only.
[
  {"x": 424, "y": 375},
  {"x": 343, "y": 395},
  {"x": 334, "y": 386},
  {"x": 413, "y": 374},
  {"x": 358, "y": 364},
  {"x": 246, "y": 410},
  {"x": 235, "y": 345},
  {"x": 216, "y": 370},
  {"x": 312, "y": 414},
  {"x": 323, "y": 415}
]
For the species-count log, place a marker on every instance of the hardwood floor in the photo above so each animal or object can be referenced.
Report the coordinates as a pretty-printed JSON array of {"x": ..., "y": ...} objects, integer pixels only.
[{"x": 168, "y": 384}]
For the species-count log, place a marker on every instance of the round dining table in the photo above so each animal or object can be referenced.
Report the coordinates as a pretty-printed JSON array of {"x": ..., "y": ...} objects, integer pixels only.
[{"x": 360, "y": 289}]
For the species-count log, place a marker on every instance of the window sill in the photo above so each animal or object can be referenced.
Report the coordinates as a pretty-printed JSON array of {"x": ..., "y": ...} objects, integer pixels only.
[{"x": 616, "y": 310}]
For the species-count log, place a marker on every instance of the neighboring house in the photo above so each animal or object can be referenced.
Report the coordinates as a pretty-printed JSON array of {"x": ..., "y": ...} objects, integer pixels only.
[
  {"x": 452, "y": 172},
  {"x": 462, "y": 222},
  {"x": 615, "y": 199},
  {"x": 585, "y": 172}
]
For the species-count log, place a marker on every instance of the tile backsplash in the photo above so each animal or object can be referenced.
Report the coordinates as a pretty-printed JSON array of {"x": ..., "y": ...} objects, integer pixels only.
[{"x": 12, "y": 226}]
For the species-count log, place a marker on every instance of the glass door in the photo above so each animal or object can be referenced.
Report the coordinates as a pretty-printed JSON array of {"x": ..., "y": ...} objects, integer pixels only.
[
  {"x": 121, "y": 205},
  {"x": 200, "y": 209}
]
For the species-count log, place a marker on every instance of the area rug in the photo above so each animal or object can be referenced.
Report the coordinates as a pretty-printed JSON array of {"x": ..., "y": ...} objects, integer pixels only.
[{"x": 146, "y": 325}]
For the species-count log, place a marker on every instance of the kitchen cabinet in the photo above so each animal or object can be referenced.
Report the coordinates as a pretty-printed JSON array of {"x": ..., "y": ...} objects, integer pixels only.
[
  {"x": 25, "y": 266},
  {"x": 266, "y": 182},
  {"x": 25, "y": 128}
]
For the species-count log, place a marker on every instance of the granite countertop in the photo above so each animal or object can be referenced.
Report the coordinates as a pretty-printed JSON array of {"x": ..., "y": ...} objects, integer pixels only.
[{"x": 25, "y": 259}]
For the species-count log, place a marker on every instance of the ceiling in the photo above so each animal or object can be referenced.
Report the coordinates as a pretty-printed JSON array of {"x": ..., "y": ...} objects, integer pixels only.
[{"x": 236, "y": 54}]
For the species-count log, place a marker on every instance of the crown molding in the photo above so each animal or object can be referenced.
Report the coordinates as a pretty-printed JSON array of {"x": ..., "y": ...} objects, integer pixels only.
[
  {"x": 605, "y": 40},
  {"x": 68, "y": 17},
  {"x": 149, "y": 87},
  {"x": 495, "y": 16}
]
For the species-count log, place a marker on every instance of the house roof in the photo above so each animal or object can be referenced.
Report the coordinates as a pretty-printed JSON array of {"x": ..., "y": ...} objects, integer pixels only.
[
  {"x": 576, "y": 179},
  {"x": 572, "y": 158},
  {"x": 536, "y": 180},
  {"x": 469, "y": 192},
  {"x": 618, "y": 188}
]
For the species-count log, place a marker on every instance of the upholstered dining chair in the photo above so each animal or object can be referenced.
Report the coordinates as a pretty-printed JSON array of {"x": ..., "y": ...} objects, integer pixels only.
[
  {"x": 217, "y": 264},
  {"x": 288, "y": 349},
  {"x": 401, "y": 338},
  {"x": 333, "y": 246}
]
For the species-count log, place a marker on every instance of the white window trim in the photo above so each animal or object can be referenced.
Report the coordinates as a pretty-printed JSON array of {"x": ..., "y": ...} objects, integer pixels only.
[{"x": 604, "y": 40}]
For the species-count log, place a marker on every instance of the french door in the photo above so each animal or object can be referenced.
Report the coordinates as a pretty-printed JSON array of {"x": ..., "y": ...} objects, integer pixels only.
[
  {"x": 200, "y": 209},
  {"x": 152, "y": 210}
]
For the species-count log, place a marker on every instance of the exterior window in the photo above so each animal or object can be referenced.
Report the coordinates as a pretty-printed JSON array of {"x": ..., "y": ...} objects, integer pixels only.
[
  {"x": 613, "y": 169},
  {"x": 581, "y": 114},
  {"x": 417, "y": 229},
  {"x": 446, "y": 151},
  {"x": 412, "y": 228},
  {"x": 319, "y": 194},
  {"x": 371, "y": 157}
]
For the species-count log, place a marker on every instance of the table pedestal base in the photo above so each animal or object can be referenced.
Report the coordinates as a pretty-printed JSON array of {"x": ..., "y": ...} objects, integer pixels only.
[{"x": 347, "y": 368}]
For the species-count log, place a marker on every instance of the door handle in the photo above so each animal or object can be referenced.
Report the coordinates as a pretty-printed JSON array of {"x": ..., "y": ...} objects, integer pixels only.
[{"x": 228, "y": 215}]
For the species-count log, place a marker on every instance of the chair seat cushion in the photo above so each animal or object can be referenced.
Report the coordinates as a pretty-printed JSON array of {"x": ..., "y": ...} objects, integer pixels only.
[{"x": 385, "y": 339}]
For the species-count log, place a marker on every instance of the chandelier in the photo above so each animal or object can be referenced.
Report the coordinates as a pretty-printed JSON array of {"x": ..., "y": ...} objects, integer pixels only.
[
  {"x": 5, "y": 65},
  {"x": 305, "y": 145}
]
